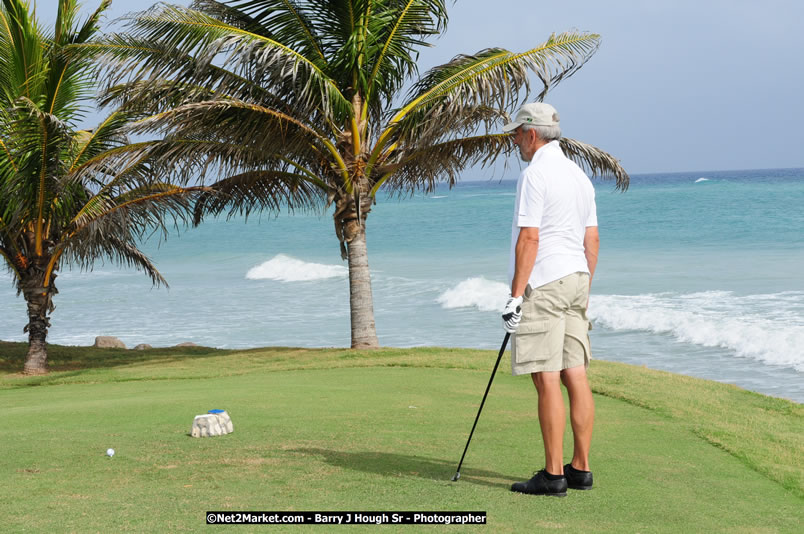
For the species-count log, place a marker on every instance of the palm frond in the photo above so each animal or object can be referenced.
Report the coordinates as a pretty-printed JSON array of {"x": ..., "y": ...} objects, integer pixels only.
[
  {"x": 240, "y": 124},
  {"x": 149, "y": 97},
  {"x": 25, "y": 53},
  {"x": 107, "y": 135},
  {"x": 65, "y": 20},
  {"x": 7, "y": 162},
  {"x": 258, "y": 190},
  {"x": 10, "y": 263},
  {"x": 261, "y": 59},
  {"x": 425, "y": 167},
  {"x": 471, "y": 120},
  {"x": 139, "y": 206},
  {"x": 14, "y": 248},
  {"x": 91, "y": 25},
  {"x": 174, "y": 161},
  {"x": 68, "y": 90},
  {"x": 40, "y": 138},
  {"x": 118, "y": 250},
  {"x": 596, "y": 162},
  {"x": 191, "y": 160},
  {"x": 126, "y": 216},
  {"x": 69, "y": 84},
  {"x": 467, "y": 123},
  {"x": 284, "y": 21},
  {"x": 230, "y": 15},
  {"x": 405, "y": 25},
  {"x": 113, "y": 162},
  {"x": 339, "y": 19},
  {"x": 494, "y": 77},
  {"x": 129, "y": 254},
  {"x": 8, "y": 85},
  {"x": 150, "y": 77}
]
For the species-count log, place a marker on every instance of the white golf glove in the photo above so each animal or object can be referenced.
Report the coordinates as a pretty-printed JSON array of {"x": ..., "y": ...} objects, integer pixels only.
[{"x": 512, "y": 314}]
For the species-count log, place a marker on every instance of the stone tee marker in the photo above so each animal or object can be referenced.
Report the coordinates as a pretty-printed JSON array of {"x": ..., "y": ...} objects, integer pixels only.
[{"x": 213, "y": 423}]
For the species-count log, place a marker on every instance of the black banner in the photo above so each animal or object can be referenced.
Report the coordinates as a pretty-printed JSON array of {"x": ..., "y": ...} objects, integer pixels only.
[{"x": 346, "y": 518}]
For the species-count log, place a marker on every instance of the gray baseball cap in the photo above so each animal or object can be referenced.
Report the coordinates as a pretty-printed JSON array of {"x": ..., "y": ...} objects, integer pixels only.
[{"x": 535, "y": 114}]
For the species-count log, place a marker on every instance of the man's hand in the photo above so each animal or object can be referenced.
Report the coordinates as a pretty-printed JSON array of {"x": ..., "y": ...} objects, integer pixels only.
[{"x": 512, "y": 314}]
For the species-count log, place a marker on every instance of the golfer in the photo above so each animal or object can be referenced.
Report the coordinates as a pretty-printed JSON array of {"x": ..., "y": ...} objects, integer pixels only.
[{"x": 554, "y": 247}]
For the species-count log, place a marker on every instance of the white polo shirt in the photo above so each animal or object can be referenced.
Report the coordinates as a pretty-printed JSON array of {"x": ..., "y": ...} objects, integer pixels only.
[{"x": 554, "y": 195}]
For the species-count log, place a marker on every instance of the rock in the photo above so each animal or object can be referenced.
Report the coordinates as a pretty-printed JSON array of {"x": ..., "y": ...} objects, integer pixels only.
[
  {"x": 226, "y": 422},
  {"x": 108, "y": 342},
  {"x": 143, "y": 346},
  {"x": 211, "y": 424},
  {"x": 187, "y": 344},
  {"x": 205, "y": 426}
]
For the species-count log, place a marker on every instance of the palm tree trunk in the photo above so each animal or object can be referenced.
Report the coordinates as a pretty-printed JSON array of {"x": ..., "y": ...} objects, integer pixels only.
[
  {"x": 39, "y": 301},
  {"x": 364, "y": 332},
  {"x": 350, "y": 228}
]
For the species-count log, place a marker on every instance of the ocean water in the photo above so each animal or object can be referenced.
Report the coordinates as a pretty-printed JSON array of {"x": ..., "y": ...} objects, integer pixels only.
[{"x": 699, "y": 274}]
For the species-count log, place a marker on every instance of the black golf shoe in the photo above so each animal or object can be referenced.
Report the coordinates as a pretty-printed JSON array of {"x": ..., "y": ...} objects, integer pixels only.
[
  {"x": 577, "y": 479},
  {"x": 541, "y": 485}
]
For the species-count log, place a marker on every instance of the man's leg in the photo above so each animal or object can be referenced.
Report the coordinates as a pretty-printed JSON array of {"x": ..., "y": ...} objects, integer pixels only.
[
  {"x": 582, "y": 414},
  {"x": 552, "y": 419}
]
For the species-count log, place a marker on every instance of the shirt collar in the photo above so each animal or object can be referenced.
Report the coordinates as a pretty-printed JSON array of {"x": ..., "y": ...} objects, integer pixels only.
[{"x": 552, "y": 145}]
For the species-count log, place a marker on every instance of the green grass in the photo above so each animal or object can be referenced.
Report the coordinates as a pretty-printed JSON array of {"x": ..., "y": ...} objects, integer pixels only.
[{"x": 382, "y": 430}]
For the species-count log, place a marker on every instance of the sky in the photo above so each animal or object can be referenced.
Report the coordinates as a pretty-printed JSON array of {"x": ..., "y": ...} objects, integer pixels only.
[{"x": 676, "y": 85}]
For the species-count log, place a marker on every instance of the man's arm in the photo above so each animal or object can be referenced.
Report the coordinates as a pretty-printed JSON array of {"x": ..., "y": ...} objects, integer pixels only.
[
  {"x": 527, "y": 246},
  {"x": 591, "y": 246}
]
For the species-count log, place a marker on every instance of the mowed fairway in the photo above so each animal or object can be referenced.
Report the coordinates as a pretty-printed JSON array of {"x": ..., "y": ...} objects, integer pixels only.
[{"x": 343, "y": 430}]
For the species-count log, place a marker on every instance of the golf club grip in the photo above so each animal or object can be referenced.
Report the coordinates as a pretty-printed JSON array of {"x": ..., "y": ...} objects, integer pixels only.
[{"x": 488, "y": 387}]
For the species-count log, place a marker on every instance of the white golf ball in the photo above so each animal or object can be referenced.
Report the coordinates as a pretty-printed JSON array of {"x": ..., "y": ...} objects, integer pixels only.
[{"x": 109, "y": 452}]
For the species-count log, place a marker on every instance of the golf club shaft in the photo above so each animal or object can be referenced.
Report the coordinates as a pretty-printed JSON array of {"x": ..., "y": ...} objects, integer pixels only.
[{"x": 488, "y": 387}]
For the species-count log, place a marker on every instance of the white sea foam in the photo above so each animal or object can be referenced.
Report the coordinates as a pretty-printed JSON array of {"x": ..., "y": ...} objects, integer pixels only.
[
  {"x": 701, "y": 180},
  {"x": 287, "y": 269},
  {"x": 753, "y": 326},
  {"x": 477, "y": 292}
]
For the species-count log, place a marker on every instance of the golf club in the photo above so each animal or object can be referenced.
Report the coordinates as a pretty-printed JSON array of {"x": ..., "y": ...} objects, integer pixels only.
[{"x": 491, "y": 378}]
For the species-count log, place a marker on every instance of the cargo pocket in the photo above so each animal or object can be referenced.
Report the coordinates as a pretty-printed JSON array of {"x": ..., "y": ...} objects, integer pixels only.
[
  {"x": 578, "y": 330},
  {"x": 532, "y": 341}
]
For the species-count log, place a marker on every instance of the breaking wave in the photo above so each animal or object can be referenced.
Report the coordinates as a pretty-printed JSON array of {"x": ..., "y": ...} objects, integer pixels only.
[
  {"x": 768, "y": 328},
  {"x": 287, "y": 269},
  {"x": 477, "y": 292}
]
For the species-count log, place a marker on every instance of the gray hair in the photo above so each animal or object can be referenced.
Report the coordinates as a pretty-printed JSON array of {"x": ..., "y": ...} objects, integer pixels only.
[{"x": 545, "y": 133}]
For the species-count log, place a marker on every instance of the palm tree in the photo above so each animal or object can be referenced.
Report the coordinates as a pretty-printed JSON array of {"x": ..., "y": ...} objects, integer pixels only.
[
  {"x": 287, "y": 95},
  {"x": 66, "y": 195}
]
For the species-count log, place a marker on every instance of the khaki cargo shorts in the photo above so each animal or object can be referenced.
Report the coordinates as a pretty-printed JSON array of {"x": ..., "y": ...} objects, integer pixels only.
[{"x": 554, "y": 331}]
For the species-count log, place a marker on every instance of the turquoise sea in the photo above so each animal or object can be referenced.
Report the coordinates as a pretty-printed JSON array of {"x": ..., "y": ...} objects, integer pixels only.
[{"x": 699, "y": 273}]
